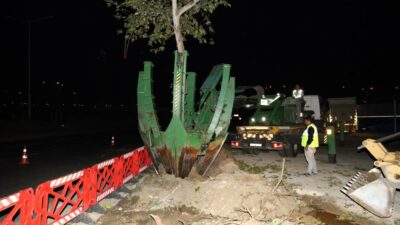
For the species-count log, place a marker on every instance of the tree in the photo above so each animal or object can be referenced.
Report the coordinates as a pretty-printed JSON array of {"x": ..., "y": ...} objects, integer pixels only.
[{"x": 159, "y": 20}]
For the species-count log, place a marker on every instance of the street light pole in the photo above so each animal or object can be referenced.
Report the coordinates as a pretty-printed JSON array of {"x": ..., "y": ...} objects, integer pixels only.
[
  {"x": 29, "y": 22},
  {"x": 29, "y": 72}
]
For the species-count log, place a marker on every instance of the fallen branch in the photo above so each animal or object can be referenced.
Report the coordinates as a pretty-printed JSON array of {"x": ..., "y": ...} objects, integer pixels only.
[
  {"x": 156, "y": 219},
  {"x": 223, "y": 220},
  {"x": 244, "y": 210},
  {"x": 281, "y": 176},
  {"x": 171, "y": 193},
  {"x": 287, "y": 217}
]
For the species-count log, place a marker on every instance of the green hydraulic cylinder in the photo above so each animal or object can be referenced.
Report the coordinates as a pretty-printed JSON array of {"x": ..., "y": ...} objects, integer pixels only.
[
  {"x": 330, "y": 133},
  {"x": 341, "y": 128}
]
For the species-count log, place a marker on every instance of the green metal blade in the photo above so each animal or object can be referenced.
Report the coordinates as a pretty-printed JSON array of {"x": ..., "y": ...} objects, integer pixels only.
[{"x": 147, "y": 118}]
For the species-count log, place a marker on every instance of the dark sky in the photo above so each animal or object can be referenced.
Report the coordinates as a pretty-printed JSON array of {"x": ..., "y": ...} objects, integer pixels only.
[{"x": 323, "y": 45}]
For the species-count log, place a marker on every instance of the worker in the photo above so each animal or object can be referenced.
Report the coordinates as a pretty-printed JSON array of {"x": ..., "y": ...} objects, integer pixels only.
[
  {"x": 298, "y": 95},
  {"x": 310, "y": 142}
]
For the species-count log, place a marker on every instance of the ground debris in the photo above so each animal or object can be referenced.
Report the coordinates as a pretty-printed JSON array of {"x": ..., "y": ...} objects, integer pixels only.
[{"x": 233, "y": 193}]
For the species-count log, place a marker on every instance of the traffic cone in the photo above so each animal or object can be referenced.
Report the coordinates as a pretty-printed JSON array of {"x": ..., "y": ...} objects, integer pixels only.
[
  {"x": 24, "y": 159},
  {"x": 112, "y": 141}
]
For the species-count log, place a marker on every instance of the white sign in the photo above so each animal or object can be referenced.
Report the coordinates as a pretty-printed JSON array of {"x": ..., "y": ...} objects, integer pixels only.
[
  {"x": 265, "y": 102},
  {"x": 255, "y": 144}
]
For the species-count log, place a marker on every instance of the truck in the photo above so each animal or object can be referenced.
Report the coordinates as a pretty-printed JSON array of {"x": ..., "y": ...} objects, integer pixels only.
[
  {"x": 268, "y": 122},
  {"x": 343, "y": 110}
]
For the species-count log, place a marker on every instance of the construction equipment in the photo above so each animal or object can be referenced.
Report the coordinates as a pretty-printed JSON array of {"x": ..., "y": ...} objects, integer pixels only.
[
  {"x": 343, "y": 112},
  {"x": 271, "y": 123},
  {"x": 375, "y": 190},
  {"x": 194, "y": 130}
]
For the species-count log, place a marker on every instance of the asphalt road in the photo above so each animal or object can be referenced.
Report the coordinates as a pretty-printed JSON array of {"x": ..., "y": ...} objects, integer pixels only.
[{"x": 58, "y": 156}]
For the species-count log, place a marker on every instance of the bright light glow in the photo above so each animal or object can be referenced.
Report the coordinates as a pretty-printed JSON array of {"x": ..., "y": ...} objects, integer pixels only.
[
  {"x": 277, "y": 145},
  {"x": 236, "y": 115},
  {"x": 329, "y": 131},
  {"x": 263, "y": 119},
  {"x": 235, "y": 144},
  {"x": 253, "y": 120}
]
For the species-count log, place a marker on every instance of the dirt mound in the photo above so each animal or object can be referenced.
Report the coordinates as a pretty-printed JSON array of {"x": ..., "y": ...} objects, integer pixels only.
[
  {"x": 231, "y": 196},
  {"x": 224, "y": 163}
]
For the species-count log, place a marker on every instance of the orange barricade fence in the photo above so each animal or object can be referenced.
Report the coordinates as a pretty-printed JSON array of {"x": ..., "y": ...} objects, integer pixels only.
[
  {"x": 59, "y": 201},
  {"x": 17, "y": 208}
]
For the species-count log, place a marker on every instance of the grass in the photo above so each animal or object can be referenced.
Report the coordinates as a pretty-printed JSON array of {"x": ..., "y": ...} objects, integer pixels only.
[
  {"x": 350, "y": 216},
  {"x": 254, "y": 169},
  {"x": 250, "y": 169},
  {"x": 344, "y": 173},
  {"x": 333, "y": 181}
]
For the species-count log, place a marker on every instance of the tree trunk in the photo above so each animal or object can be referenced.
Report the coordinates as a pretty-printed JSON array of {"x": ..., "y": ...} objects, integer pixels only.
[{"x": 177, "y": 27}]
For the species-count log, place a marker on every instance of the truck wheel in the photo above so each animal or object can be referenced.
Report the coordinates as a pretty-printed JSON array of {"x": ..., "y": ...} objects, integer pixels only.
[
  {"x": 292, "y": 150},
  {"x": 289, "y": 150}
]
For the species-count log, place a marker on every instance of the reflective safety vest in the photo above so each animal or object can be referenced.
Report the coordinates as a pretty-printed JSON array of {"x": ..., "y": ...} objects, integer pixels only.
[{"x": 304, "y": 137}]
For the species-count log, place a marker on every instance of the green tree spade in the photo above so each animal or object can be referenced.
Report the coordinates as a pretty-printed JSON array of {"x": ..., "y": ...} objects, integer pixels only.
[{"x": 159, "y": 20}]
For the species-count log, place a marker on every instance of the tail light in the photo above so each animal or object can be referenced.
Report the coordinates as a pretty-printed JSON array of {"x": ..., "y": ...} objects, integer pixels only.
[
  {"x": 235, "y": 144},
  {"x": 277, "y": 145}
]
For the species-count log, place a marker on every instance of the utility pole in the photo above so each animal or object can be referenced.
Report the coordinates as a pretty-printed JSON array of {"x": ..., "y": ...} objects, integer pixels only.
[{"x": 30, "y": 22}]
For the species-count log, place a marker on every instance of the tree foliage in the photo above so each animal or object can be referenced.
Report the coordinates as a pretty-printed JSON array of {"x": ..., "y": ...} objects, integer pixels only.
[{"x": 157, "y": 22}]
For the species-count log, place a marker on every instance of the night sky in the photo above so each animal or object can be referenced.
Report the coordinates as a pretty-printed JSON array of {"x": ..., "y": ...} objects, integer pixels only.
[{"x": 332, "y": 48}]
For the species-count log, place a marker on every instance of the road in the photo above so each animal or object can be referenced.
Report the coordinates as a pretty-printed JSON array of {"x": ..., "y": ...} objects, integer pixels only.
[{"x": 54, "y": 157}]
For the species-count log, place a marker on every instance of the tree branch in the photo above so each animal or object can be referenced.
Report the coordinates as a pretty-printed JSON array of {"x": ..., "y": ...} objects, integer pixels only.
[
  {"x": 281, "y": 176},
  {"x": 187, "y": 7}
]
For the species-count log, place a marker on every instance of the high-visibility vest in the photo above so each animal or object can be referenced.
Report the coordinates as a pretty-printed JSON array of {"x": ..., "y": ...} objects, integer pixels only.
[{"x": 304, "y": 137}]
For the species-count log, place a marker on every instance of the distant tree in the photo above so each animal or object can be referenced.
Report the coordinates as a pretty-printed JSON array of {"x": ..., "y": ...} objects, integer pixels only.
[{"x": 159, "y": 20}]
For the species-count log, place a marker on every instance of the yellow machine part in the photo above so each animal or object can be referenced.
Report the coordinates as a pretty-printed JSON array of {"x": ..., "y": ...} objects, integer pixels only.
[{"x": 372, "y": 190}]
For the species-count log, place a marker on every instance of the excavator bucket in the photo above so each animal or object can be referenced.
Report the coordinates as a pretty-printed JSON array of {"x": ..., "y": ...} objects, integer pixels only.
[{"x": 372, "y": 191}]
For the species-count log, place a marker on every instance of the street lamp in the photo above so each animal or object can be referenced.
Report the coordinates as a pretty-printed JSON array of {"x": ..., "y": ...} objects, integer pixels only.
[{"x": 30, "y": 22}]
